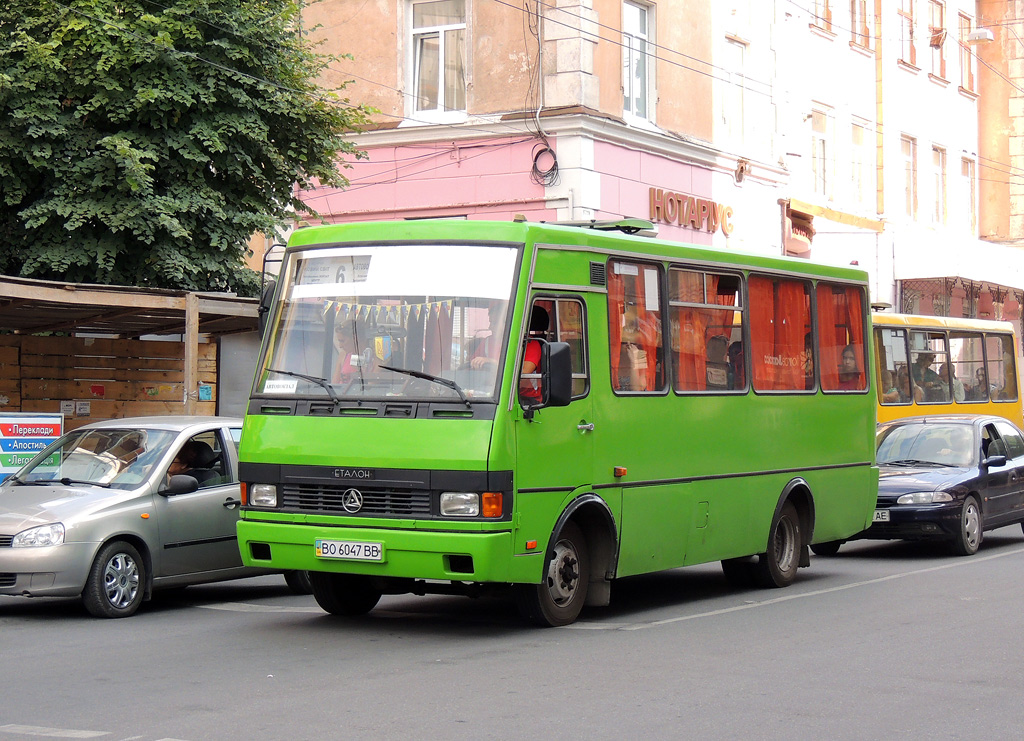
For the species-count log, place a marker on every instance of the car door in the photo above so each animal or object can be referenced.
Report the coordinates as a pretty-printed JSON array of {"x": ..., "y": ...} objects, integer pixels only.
[
  {"x": 1011, "y": 497},
  {"x": 197, "y": 529}
]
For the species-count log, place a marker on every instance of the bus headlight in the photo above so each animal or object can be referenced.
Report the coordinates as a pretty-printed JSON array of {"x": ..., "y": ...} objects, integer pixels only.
[
  {"x": 925, "y": 497},
  {"x": 460, "y": 504},
  {"x": 263, "y": 495},
  {"x": 36, "y": 537}
]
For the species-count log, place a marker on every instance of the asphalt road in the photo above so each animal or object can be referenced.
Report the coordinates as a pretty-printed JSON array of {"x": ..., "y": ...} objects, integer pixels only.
[{"x": 893, "y": 640}]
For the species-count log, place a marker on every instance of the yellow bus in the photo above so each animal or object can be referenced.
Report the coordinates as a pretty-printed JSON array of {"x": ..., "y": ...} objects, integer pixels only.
[{"x": 931, "y": 365}]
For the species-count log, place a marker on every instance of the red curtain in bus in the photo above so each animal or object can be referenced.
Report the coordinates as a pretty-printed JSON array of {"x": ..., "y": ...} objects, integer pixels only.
[
  {"x": 855, "y": 321},
  {"x": 779, "y": 322},
  {"x": 762, "y": 331},
  {"x": 791, "y": 327},
  {"x": 693, "y": 327},
  {"x": 840, "y": 323},
  {"x": 648, "y": 322},
  {"x": 616, "y": 309}
]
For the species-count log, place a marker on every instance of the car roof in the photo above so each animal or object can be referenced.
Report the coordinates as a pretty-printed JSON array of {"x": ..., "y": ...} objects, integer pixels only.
[
  {"x": 963, "y": 419},
  {"x": 174, "y": 423}
]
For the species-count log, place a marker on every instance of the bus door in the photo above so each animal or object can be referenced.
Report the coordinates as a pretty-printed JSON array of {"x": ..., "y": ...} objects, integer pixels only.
[{"x": 555, "y": 448}]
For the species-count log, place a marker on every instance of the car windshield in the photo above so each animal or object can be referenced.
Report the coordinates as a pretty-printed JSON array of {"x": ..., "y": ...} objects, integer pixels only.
[
  {"x": 119, "y": 458},
  {"x": 394, "y": 322},
  {"x": 927, "y": 443}
]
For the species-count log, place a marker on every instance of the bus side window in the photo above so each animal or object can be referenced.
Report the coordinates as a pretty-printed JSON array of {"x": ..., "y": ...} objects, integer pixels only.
[
  {"x": 566, "y": 322},
  {"x": 634, "y": 327},
  {"x": 706, "y": 321},
  {"x": 894, "y": 386},
  {"x": 1002, "y": 370}
]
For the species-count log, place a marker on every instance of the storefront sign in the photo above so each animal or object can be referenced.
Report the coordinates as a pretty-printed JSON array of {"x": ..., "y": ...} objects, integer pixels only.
[
  {"x": 24, "y": 435},
  {"x": 690, "y": 212}
]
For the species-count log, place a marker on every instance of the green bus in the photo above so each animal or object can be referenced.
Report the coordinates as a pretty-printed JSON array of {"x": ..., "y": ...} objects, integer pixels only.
[{"x": 452, "y": 406}]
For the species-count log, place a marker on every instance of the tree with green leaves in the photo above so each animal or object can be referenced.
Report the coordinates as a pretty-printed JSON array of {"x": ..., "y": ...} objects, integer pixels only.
[{"x": 143, "y": 143}]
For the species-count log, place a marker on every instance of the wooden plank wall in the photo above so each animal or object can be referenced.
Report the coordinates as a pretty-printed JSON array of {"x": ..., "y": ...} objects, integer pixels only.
[{"x": 118, "y": 378}]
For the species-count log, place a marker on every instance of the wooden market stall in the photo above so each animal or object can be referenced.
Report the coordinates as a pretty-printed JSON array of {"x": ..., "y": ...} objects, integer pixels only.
[{"x": 79, "y": 347}]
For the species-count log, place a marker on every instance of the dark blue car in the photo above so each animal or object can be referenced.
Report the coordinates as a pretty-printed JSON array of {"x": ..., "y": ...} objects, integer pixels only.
[{"x": 946, "y": 478}]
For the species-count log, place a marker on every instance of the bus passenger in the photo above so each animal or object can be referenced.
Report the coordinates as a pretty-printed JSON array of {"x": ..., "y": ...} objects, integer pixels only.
[
  {"x": 529, "y": 388},
  {"x": 948, "y": 374},
  {"x": 890, "y": 394},
  {"x": 849, "y": 373},
  {"x": 928, "y": 379},
  {"x": 907, "y": 388}
]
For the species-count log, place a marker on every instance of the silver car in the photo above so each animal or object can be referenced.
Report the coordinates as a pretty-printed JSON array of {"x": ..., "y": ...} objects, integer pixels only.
[{"x": 117, "y": 509}]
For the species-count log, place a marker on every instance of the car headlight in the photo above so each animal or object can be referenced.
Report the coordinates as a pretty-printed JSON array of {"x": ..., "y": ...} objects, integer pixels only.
[
  {"x": 925, "y": 497},
  {"x": 460, "y": 503},
  {"x": 263, "y": 495},
  {"x": 36, "y": 537}
]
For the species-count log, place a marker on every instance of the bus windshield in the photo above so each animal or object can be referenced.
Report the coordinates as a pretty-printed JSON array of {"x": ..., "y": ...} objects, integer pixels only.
[{"x": 391, "y": 321}]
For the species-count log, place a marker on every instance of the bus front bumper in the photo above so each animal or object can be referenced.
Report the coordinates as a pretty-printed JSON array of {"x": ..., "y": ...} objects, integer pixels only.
[{"x": 410, "y": 554}]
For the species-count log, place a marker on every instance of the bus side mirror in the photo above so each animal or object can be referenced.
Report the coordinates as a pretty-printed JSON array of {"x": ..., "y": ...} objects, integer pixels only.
[
  {"x": 266, "y": 299},
  {"x": 556, "y": 374}
]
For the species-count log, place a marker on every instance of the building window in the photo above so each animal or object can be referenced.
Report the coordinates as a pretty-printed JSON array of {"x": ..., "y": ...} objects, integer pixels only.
[
  {"x": 862, "y": 170},
  {"x": 734, "y": 91},
  {"x": 906, "y": 13},
  {"x": 937, "y": 37},
  {"x": 966, "y": 56},
  {"x": 939, "y": 178},
  {"x": 636, "y": 35},
  {"x": 439, "y": 56},
  {"x": 822, "y": 14},
  {"x": 969, "y": 186},
  {"x": 861, "y": 32},
  {"x": 908, "y": 150},
  {"x": 821, "y": 152}
]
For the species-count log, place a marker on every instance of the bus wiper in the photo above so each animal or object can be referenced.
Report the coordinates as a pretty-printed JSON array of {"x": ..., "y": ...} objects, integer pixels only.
[
  {"x": 322, "y": 382},
  {"x": 436, "y": 379}
]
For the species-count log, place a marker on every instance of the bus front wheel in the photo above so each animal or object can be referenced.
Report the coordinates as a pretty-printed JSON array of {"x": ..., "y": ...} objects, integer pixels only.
[
  {"x": 777, "y": 566},
  {"x": 343, "y": 594},
  {"x": 559, "y": 599}
]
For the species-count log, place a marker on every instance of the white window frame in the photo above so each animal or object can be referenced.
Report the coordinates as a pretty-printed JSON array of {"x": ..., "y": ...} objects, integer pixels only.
[
  {"x": 967, "y": 63},
  {"x": 941, "y": 194},
  {"x": 860, "y": 24},
  {"x": 862, "y": 166},
  {"x": 908, "y": 49},
  {"x": 822, "y": 150},
  {"x": 415, "y": 37},
  {"x": 908, "y": 153},
  {"x": 937, "y": 37},
  {"x": 638, "y": 57},
  {"x": 734, "y": 92},
  {"x": 969, "y": 183}
]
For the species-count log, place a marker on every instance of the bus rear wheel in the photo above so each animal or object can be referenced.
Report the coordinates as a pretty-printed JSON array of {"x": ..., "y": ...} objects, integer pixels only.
[
  {"x": 343, "y": 594},
  {"x": 559, "y": 599},
  {"x": 777, "y": 566}
]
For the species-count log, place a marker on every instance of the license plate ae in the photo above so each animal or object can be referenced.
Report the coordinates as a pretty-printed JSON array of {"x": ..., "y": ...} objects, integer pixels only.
[
  {"x": 349, "y": 550},
  {"x": 881, "y": 515}
]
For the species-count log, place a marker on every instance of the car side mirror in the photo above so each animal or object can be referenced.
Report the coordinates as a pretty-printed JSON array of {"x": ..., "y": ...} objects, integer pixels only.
[
  {"x": 182, "y": 483},
  {"x": 994, "y": 461}
]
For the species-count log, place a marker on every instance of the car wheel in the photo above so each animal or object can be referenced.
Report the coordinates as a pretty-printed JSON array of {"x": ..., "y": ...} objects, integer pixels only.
[
  {"x": 967, "y": 539},
  {"x": 298, "y": 582},
  {"x": 828, "y": 548},
  {"x": 116, "y": 583},
  {"x": 777, "y": 566},
  {"x": 343, "y": 594},
  {"x": 559, "y": 599}
]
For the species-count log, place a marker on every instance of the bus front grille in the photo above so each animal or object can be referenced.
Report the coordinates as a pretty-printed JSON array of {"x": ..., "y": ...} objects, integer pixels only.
[{"x": 375, "y": 502}]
